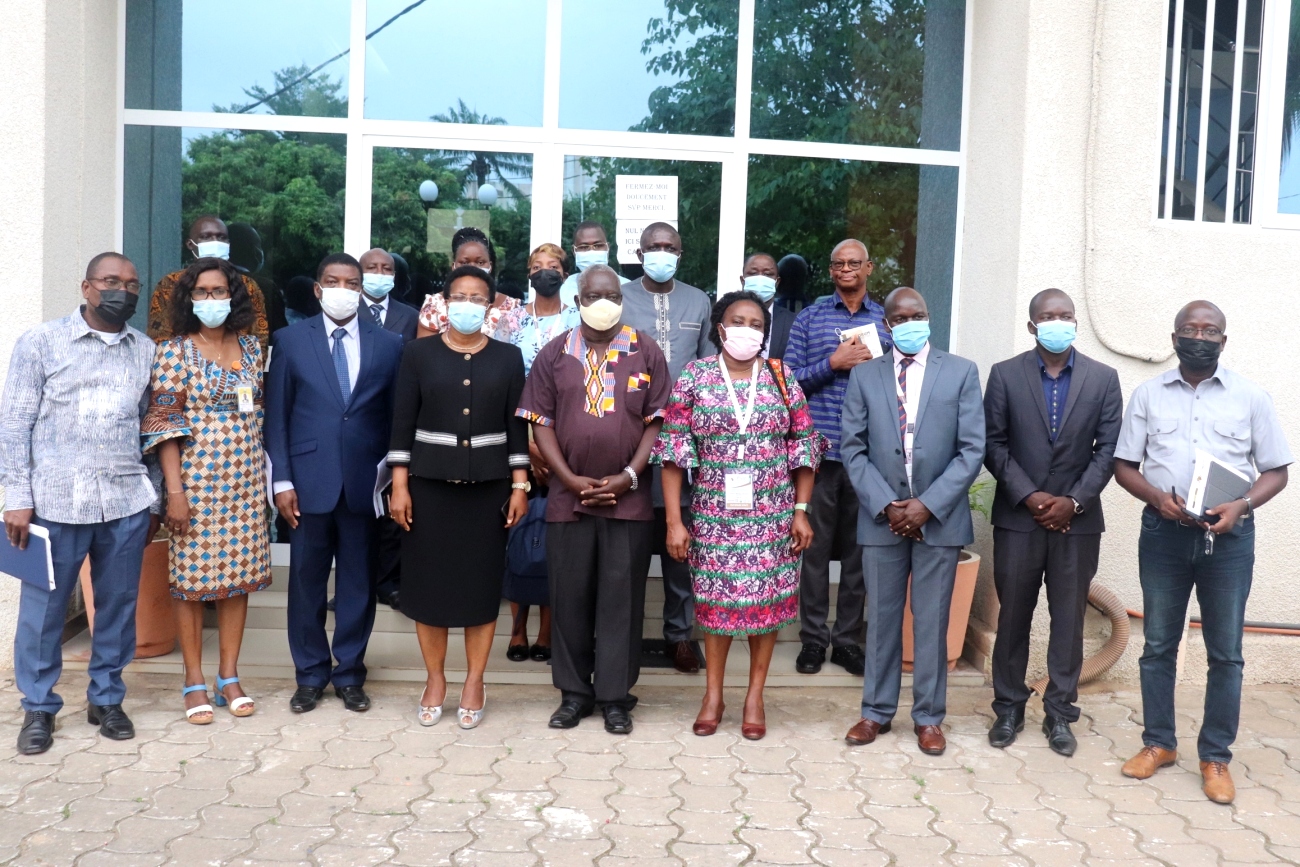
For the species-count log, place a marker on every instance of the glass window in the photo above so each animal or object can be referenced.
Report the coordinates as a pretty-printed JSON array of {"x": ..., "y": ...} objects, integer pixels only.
[
  {"x": 1288, "y": 191},
  {"x": 280, "y": 195},
  {"x": 651, "y": 65},
  {"x": 856, "y": 72},
  {"x": 245, "y": 56},
  {"x": 439, "y": 60},
  {"x": 589, "y": 184},
  {"x": 491, "y": 191},
  {"x": 905, "y": 214}
]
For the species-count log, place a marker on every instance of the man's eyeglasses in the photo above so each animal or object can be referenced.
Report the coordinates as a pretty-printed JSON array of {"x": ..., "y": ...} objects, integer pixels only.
[
  {"x": 1210, "y": 333},
  {"x": 219, "y": 294},
  {"x": 112, "y": 284},
  {"x": 603, "y": 247},
  {"x": 850, "y": 265},
  {"x": 471, "y": 299}
]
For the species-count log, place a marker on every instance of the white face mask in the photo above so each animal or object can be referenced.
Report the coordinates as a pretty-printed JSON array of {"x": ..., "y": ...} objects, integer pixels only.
[
  {"x": 212, "y": 250},
  {"x": 602, "y": 314},
  {"x": 339, "y": 302}
]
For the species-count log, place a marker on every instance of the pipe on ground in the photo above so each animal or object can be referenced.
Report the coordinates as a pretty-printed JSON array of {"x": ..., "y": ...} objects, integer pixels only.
[{"x": 1106, "y": 601}]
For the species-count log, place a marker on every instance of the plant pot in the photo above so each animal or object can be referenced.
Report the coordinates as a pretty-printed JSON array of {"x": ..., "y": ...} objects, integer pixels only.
[
  {"x": 963, "y": 594},
  {"x": 155, "y": 622}
]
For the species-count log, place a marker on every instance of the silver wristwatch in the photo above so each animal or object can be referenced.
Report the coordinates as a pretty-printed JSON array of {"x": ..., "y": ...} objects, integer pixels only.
[
  {"x": 1078, "y": 507},
  {"x": 631, "y": 472}
]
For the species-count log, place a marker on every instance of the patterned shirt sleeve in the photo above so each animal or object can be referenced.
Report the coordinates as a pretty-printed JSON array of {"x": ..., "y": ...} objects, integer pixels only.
[
  {"x": 676, "y": 442},
  {"x": 18, "y": 411},
  {"x": 166, "y": 417}
]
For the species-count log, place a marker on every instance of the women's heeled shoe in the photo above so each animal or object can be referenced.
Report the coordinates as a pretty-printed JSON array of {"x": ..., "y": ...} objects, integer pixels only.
[
  {"x": 242, "y": 706},
  {"x": 754, "y": 731},
  {"x": 468, "y": 719},
  {"x": 199, "y": 710},
  {"x": 705, "y": 727},
  {"x": 428, "y": 716},
  {"x": 517, "y": 652},
  {"x": 540, "y": 652}
]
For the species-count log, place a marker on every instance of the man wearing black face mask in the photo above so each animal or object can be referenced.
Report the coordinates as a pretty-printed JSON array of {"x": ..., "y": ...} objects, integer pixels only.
[
  {"x": 1198, "y": 406},
  {"x": 70, "y": 463}
]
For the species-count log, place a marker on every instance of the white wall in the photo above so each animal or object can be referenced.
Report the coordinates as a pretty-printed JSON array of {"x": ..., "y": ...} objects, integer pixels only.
[{"x": 1063, "y": 161}]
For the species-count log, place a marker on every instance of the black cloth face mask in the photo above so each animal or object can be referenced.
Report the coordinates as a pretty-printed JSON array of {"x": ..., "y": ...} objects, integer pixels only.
[
  {"x": 1197, "y": 354},
  {"x": 546, "y": 282},
  {"x": 116, "y": 306}
]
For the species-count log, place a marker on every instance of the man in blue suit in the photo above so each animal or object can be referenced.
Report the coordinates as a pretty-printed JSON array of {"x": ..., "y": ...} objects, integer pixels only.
[
  {"x": 329, "y": 409},
  {"x": 912, "y": 441}
]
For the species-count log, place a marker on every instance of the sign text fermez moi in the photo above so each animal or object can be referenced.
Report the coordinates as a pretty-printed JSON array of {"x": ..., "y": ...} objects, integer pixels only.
[{"x": 640, "y": 200}]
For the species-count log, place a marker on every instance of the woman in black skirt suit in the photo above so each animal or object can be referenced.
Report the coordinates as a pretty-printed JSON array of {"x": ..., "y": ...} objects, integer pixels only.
[{"x": 460, "y": 480}]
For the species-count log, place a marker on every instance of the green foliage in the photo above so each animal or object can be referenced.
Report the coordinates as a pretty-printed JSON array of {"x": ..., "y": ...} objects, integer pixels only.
[
  {"x": 980, "y": 496},
  {"x": 1291, "y": 97},
  {"x": 696, "y": 42},
  {"x": 295, "y": 94},
  {"x": 482, "y": 165}
]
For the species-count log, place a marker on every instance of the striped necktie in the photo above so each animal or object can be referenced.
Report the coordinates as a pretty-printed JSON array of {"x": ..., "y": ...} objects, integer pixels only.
[
  {"x": 341, "y": 364},
  {"x": 375, "y": 312},
  {"x": 902, "y": 399}
]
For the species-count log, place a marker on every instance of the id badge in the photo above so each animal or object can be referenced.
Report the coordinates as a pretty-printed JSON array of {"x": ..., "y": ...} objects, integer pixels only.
[
  {"x": 244, "y": 393},
  {"x": 739, "y": 491}
]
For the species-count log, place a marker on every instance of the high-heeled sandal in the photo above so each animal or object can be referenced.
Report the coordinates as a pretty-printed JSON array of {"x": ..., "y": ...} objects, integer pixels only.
[
  {"x": 192, "y": 712},
  {"x": 428, "y": 715},
  {"x": 241, "y": 707},
  {"x": 468, "y": 719},
  {"x": 705, "y": 727}
]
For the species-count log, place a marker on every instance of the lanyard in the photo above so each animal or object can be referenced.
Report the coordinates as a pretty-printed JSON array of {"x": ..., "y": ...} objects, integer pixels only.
[
  {"x": 742, "y": 415},
  {"x": 548, "y": 336}
]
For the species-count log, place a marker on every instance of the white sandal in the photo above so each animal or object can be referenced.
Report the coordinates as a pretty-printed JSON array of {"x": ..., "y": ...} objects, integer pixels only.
[
  {"x": 427, "y": 715},
  {"x": 468, "y": 719},
  {"x": 241, "y": 707},
  {"x": 192, "y": 712}
]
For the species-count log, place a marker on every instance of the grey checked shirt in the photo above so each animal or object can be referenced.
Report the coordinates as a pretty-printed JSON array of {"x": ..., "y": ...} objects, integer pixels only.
[{"x": 70, "y": 423}]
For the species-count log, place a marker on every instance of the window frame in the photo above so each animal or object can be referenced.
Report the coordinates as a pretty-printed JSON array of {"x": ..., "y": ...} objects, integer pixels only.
[{"x": 1277, "y": 31}]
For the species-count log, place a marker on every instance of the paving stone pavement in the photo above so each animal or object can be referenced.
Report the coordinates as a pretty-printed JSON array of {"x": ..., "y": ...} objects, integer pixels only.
[{"x": 339, "y": 788}]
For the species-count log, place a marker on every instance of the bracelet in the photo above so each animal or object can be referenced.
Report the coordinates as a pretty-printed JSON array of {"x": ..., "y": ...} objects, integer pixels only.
[
  {"x": 177, "y": 491},
  {"x": 631, "y": 472}
]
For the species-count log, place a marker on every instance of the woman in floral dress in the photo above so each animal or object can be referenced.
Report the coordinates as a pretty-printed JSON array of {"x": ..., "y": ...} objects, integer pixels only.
[
  {"x": 740, "y": 422},
  {"x": 469, "y": 246},
  {"x": 205, "y": 422}
]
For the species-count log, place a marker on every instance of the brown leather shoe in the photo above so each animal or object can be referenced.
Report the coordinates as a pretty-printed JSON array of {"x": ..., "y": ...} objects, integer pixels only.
[
  {"x": 1217, "y": 782},
  {"x": 683, "y": 657},
  {"x": 865, "y": 732},
  {"x": 705, "y": 727},
  {"x": 930, "y": 739},
  {"x": 1147, "y": 762}
]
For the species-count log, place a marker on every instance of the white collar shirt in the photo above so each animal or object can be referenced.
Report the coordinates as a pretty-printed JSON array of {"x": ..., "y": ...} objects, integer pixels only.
[
  {"x": 911, "y": 397},
  {"x": 351, "y": 344},
  {"x": 369, "y": 305}
]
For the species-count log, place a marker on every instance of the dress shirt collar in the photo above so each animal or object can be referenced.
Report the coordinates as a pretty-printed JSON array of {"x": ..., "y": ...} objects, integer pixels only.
[
  {"x": 838, "y": 300},
  {"x": 920, "y": 358},
  {"x": 382, "y": 303},
  {"x": 1174, "y": 376},
  {"x": 352, "y": 328},
  {"x": 1042, "y": 365},
  {"x": 80, "y": 328}
]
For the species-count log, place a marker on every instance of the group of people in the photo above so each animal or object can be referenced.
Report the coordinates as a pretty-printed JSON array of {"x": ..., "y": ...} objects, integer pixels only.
[{"x": 746, "y": 444}]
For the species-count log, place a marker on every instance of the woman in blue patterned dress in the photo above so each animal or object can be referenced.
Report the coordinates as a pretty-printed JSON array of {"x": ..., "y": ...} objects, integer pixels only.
[
  {"x": 205, "y": 421},
  {"x": 740, "y": 422}
]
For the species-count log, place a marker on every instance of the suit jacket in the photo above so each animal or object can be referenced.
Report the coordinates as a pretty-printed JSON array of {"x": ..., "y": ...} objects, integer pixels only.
[
  {"x": 315, "y": 441},
  {"x": 782, "y": 319},
  {"x": 947, "y": 447},
  {"x": 1021, "y": 454},
  {"x": 401, "y": 319}
]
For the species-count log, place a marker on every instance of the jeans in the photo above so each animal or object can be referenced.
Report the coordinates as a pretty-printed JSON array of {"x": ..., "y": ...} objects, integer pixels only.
[{"x": 1171, "y": 562}]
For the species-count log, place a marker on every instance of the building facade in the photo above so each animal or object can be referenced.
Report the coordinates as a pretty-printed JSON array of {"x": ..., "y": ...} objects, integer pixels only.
[{"x": 984, "y": 150}]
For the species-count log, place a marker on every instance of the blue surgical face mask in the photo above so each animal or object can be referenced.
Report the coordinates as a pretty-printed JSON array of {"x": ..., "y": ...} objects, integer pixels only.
[
  {"x": 762, "y": 286},
  {"x": 377, "y": 285},
  {"x": 466, "y": 317},
  {"x": 212, "y": 312},
  {"x": 911, "y": 337},
  {"x": 212, "y": 249},
  {"x": 1056, "y": 335},
  {"x": 584, "y": 259},
  {"x": 660, "y": 265}
]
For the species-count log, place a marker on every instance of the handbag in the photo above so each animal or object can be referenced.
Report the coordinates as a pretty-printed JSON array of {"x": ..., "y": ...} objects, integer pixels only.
[{"x": 526, "y": 581}]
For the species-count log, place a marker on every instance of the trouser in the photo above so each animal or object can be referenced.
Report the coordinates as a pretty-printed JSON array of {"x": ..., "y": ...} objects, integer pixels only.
[
  {"x": 387, "y": 556},
  {"x": 679, "y": 592},
  {"x": 116, "y": 549},
  {"x": 833, "y": 514},
  {"x": 598, "y": 569},
  {"x": 933, "y": 570},
  {"x": 1171, "y": 563},
  {"x": 1021, "y": 563},
  {"x": 344, "y": 539}
]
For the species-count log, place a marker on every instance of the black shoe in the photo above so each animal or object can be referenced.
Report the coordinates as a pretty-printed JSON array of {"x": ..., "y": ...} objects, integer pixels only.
[
  {"x": 329, "y": 606},
  {"x": 37, "y": 734},
  {"x": 354, "y": 698},
  {"x": 617, "y": 720},
  {"x": 389, "y": 598},
  {"x": 810, "y": 659},
  {"x": 113, "y": 722},
  {"x": 305, "y": 698},
  {"x": 517, "y": 652},
  {"x": 540, "y": 652},
  {"x": 1003, "y": 732},
  {"x": 1059, "y": 736},
  {"x": 569, "y": 714},
  {"x": 851, "y": 658}
]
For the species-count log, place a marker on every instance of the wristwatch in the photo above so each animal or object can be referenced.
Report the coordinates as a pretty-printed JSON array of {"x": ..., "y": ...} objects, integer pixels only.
[
  {"x": 635, "y": 481},
  {"x": 801, "y": 507},
  {"x": 1078, "y": 507},
  {"x": 1250, "y": 507},
  {"x": 526, "y": 487}
]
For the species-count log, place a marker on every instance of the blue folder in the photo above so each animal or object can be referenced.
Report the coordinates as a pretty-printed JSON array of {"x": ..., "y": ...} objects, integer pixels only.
[{"x": 32, "y": 564}]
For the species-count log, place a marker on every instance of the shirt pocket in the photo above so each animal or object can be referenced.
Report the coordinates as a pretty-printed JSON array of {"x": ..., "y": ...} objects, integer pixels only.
[
  {"x": 638, "y": 382},
  {"x": 1230, "y": 441},
  {"x": 1162, "y": 435}
]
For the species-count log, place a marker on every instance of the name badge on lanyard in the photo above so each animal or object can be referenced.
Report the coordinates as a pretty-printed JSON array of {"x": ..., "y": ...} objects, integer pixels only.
[
  {"x": 739, "y": 485},
  {"x": 244, "y": 394}
]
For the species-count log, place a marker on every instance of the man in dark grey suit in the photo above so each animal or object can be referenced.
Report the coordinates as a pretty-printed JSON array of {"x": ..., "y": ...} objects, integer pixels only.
[
  {"x": 912, "y": 440},
  {"x": 759, "y": 275},
  {"x": 1053, "y": 418}
]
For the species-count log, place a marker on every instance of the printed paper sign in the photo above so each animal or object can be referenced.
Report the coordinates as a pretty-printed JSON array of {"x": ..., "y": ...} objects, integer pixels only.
[
  {"x": 628, "y": 238},
  {"x": 647, "y": 198}
]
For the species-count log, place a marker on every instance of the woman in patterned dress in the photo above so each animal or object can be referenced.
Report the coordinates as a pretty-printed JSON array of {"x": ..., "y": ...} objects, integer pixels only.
[
  {"x": 205, "y": 421},
  {"x": 469, "y": 246},
  {"x": 740, "y": 422}
]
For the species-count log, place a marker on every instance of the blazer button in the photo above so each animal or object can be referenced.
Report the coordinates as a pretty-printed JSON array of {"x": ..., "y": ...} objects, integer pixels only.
[
  {"x": 898, "y": 451},
  {"x": 465, "y": 411},
  {"x": 468, "y": 356},
  {"x": 467, "y": 382},
  {"x": 465, "y": 443}
]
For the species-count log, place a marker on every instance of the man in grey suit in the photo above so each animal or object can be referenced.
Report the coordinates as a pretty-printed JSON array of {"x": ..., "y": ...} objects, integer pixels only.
[
  {"x": 912, "y": 441},
  {"x": 1053, "y": 417}
]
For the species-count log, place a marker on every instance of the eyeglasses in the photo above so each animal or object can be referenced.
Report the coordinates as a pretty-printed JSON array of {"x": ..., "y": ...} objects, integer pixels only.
[
  {"x": 470, "y": 299},
  {"x": 220, "y": 294},
  {"x": 850, "y": 265},
  {"x": 602, "y": 246},
  {"x": 1210, "y": 333},
  {"x": 112, "y": 284}
]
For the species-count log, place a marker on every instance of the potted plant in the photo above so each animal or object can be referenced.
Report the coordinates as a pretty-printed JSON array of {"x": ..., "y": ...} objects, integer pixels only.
[{"x": 980, "y": 500}]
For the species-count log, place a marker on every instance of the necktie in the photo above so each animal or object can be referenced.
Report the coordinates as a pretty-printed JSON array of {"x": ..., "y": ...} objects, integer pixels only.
[
  {"x": 341, "y": 364},
  {"x": 376, "y": 311},
  {"x": 902, "y": 400}
]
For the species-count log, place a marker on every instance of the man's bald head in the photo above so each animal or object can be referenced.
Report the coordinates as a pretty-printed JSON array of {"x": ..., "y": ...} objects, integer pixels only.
[
  {"x": 1053, "y": 298},
  {"x": 905, "y": 302},
  {"x": 849, "y": 244},
  {"x": 1201, "y": 310},
  {"x": 209, "y": 227},
  {"x": 377, "y": 261}
]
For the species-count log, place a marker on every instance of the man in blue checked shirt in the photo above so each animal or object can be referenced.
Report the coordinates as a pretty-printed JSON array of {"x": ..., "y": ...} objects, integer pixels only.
[{"x": 822, "y": 363}]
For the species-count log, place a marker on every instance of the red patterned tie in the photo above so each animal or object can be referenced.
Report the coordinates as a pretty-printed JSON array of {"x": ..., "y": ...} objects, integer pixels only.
[{"x": 902, "y": 399}]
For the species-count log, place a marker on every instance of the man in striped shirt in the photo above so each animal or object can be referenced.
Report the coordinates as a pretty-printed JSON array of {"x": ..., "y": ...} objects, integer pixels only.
[{"x": 822, "y": 363}]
